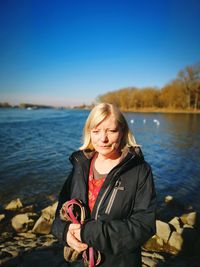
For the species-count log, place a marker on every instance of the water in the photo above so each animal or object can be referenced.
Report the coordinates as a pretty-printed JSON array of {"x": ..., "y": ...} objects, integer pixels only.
[{"x": 35, "y": 146}]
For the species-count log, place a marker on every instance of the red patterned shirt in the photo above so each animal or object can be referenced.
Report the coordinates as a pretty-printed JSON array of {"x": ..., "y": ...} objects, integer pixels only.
[{"x": 94, "y": 186}]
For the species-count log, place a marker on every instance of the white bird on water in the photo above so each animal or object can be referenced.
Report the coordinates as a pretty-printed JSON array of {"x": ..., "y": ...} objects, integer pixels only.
[
  {"x": 157, "y": 122},
  {"x": 132, "y": 121}
]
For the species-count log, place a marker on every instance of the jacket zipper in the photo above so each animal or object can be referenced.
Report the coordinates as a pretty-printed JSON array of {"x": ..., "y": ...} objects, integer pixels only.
[
  {"x": 113, "y": 196},
  {"x": 99, "y": 204}
]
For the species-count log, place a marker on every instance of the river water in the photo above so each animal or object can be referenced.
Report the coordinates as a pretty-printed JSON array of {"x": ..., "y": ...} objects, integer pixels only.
[{"x": 35, "y": 146}]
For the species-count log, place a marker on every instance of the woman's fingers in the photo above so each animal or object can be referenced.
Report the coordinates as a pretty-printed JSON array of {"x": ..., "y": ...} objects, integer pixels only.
[
  {"x": 77, "y": 234},
  {"x": 75, "y": 230},
  {"x": 73, "y": 238},
  {"x": 75, "y": 244}
]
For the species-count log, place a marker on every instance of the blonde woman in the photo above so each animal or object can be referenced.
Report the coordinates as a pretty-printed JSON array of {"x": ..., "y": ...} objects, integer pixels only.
[{"x": 111, "y": 177}]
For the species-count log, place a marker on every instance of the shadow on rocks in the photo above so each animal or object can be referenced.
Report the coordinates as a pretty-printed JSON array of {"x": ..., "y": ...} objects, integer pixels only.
[{"x": 39, "y": 257}]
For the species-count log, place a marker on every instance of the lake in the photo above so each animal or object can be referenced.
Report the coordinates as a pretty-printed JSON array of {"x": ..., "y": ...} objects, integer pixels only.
[{"x": 35, "y": 146}]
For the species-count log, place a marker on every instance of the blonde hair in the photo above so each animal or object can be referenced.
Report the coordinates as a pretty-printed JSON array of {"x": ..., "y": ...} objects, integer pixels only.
[{"x": 97, "y": 115}]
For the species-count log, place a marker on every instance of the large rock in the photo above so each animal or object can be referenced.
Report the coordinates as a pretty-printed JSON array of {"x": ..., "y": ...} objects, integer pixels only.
[
  {"x": 50, "y": 210},
  {"x": 176, "y": 241},
  {"x": 177, "y": 224},
  {"x": 155, "y": 243},
  {"x": 44, "y": 223},
  {"x": 14, "y": 205},
  {"x": 23, "y": 222},
  {"x": 189, "y": 218},
  {"x": 163, "y": 230}
]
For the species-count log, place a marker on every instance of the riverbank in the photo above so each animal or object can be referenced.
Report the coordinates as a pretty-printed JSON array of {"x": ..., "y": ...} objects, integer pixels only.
[
  {"x": 162, "y": 110},
  {"x": 26, "y": 238}
]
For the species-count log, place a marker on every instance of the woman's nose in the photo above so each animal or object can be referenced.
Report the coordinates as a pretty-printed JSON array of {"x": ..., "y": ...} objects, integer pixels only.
[{"x": 104, "y": 136}]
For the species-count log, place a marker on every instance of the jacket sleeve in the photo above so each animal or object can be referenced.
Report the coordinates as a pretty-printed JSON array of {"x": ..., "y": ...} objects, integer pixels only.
[
  {"x": 59, "y": 228},
  {"x": 126, "y": 235}
]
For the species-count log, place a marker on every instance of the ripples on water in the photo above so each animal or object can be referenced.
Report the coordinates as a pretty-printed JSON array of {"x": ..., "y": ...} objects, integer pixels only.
[{"x": 35, "y": 146}]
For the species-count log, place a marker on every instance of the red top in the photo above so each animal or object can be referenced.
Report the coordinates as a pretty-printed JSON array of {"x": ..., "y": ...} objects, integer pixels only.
[{"x": 94, "y": 186}]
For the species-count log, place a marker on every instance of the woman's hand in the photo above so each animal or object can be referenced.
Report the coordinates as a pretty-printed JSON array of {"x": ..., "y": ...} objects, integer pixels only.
[{"x": 73, "y": 238}]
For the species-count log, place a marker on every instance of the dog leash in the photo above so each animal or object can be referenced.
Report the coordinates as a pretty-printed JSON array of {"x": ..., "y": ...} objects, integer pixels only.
[{"x": 74, "y": 211}]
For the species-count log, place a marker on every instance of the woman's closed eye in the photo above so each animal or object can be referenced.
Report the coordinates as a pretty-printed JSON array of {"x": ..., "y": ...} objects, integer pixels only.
[
  {"x": 95, "y": 131},
  {"x": 113, "y": 130}
]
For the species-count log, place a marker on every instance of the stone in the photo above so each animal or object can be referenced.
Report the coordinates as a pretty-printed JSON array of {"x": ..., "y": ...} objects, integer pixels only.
[
  {"x": 2, "y": 216},
  {"x": 177, "y": 224},
  {"x": 23, "y": 222},
  {"x": 14, "y": 205},
  {"x": 176, "y": 241},
  {"x": 26, "y": 243},
  {"x": 26, "y": 209},
  {"x": 49, "y": 243},
  {"x": 153, "y": 255},
  {"x": 11, "y": 250},
  {"x": 168, "y": 199},
  {"x": 50, "y": 211},
  {"x": 189, "y": 218},
  {"x": 6, "y": 235},
  {"x": 27, "y": 235},
  {"x": 163, "y": 230},
  {"x": 43, "y": 225},
  {"x": 149, "y": 262},
  {"x": 155, "y": 243},
  {"x": 187, "y": 226}
]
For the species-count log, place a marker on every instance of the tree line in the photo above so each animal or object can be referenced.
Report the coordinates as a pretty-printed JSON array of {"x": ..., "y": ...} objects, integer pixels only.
[{"x": 181, "y": 93}]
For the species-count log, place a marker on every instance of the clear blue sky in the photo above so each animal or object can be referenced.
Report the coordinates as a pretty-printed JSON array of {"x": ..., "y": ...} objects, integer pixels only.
[{"x": 69, "y": 52}]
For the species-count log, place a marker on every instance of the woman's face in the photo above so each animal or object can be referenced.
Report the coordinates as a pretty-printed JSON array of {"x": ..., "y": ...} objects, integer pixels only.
[{"x": 106, "y": 137}]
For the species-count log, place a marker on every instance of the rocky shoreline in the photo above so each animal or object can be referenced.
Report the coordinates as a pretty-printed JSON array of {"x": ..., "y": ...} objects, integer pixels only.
[{"x": 26, "y": 239}]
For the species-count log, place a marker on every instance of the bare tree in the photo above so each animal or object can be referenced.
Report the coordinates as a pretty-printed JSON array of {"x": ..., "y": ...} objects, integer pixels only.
[
  {"x": 189, "y": 78},
  {"x": 197, "y": 85}
]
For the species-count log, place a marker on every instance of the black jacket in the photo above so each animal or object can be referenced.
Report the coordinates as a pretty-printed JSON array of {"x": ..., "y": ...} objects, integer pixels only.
[{"x": 123, "y": 217}]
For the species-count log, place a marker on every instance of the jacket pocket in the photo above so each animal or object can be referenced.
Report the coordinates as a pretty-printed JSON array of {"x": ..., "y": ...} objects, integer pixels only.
[{"x": 117, "y": 188}]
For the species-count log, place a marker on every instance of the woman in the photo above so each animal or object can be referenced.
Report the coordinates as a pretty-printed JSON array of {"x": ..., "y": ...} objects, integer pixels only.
[{"x": 111, "y": 177}]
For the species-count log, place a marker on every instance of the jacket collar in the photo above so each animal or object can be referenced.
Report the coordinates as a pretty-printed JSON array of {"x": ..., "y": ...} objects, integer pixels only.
[{"x": 131, "y": 155}]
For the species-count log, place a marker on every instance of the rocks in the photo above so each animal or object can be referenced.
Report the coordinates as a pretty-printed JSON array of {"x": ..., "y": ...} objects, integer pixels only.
[
  {"x": 25, "y": 233},
  {"x": 43, "y": 224},
  {"x": 163, "y": 230},
  {"x": 23, "y": 222},
  {"x": 170, "y": 236},
  {"x": 29, "y": 242},
  {"x": 14, "y": 205},
  {"x": 179, "y": 238},
  {"x": 15, "y": 252},
  {"x": 177, "y": 224},
  {"x": 189, "y": 219}
]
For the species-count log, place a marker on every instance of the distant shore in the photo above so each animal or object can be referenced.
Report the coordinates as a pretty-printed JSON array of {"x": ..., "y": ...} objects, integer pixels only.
[{"x": 88, "y": 107}]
